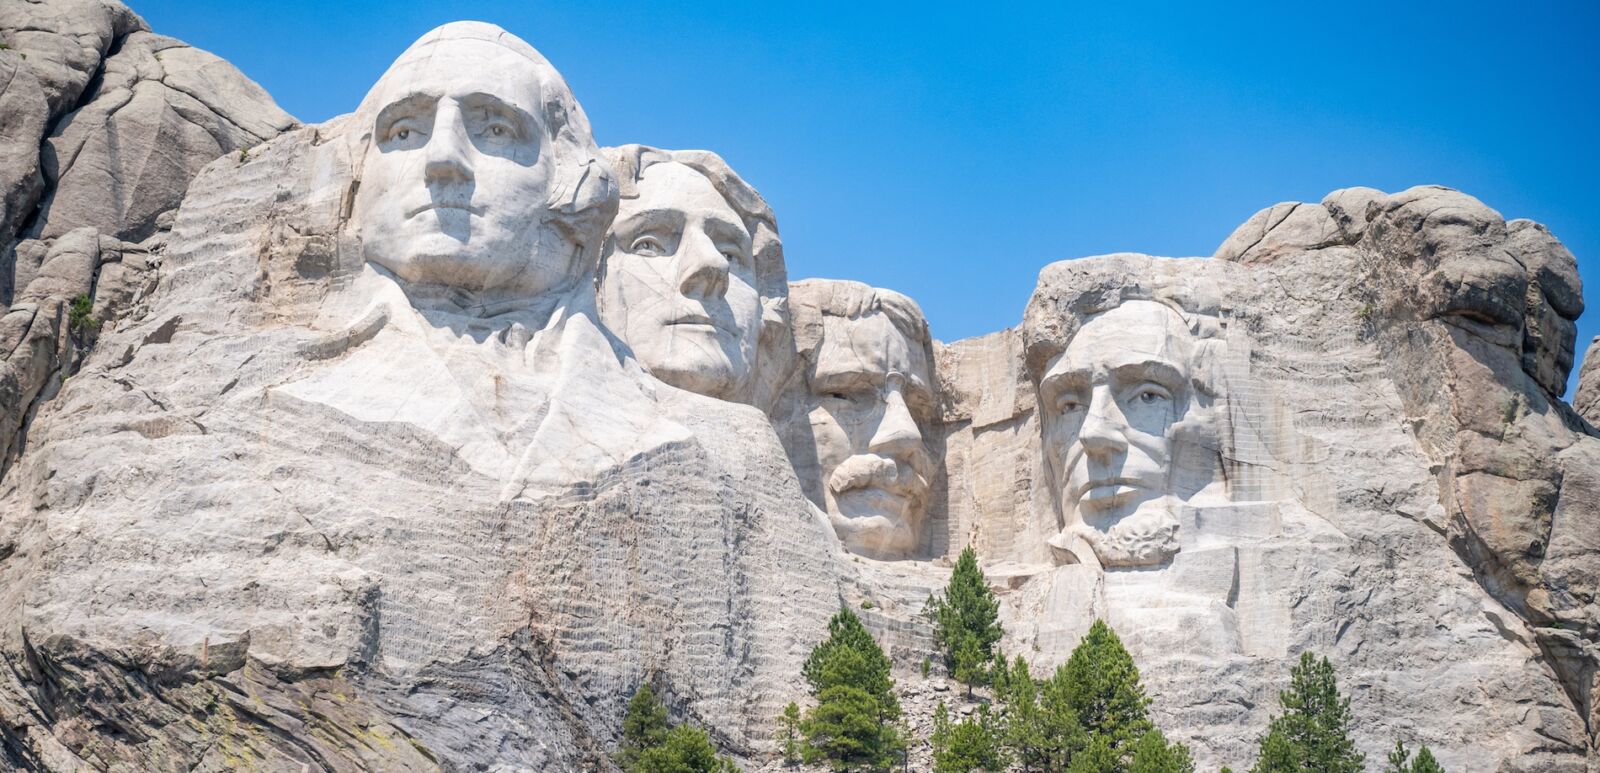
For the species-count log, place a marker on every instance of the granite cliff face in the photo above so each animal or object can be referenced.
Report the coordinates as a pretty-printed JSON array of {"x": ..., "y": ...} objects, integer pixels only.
[{"x": 418, "y": 439}]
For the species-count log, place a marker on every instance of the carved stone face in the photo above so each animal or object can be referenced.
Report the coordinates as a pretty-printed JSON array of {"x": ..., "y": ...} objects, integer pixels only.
[
  {"x": 455, "y": 181},
  {"x": 870, "y": 400},
  {"x": 679, "y": 283},
  {"x": 1111, "y": 401}
]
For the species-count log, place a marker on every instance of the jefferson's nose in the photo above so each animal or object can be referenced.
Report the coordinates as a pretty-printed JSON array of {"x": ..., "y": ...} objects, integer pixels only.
[
  {"x": 1103, "y": 433},
  {"x": 897, "y": 435},
  {"x": 702, "y": 268},
  {"x": 449, "y": 149}
]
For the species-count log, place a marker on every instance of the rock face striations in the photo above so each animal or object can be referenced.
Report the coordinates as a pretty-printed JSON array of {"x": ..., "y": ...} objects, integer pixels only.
[{"x": 420, "y": 438}]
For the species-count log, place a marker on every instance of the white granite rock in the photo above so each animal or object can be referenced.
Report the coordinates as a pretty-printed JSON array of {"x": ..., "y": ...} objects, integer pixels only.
[{"x": 387, "y": 451}]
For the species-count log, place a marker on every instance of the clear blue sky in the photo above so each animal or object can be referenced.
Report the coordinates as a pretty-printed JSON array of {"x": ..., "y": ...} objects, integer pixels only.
[{"x": 951, "y": 152}]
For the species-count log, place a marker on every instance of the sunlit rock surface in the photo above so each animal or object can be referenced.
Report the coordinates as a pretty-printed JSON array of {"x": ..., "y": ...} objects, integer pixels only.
[{"x": 418, "y": 439}]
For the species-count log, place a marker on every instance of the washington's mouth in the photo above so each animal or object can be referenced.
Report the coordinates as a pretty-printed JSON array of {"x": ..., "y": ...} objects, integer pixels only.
[
  {"x": 468, "y": 208},
  {"x": 695, "y": 321}
]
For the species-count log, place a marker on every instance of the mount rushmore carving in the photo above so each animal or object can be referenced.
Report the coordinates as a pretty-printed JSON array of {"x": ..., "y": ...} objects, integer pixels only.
[{"x": 419, "y": 438}]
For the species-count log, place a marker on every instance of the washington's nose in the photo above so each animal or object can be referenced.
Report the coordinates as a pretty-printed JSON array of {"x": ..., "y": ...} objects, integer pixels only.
[
  {"x": 449, "y": 149},
  {"x": 897, "y": 435},
  {"x": 1103, "y": 433},
  {"x": 702, "y": 268}
]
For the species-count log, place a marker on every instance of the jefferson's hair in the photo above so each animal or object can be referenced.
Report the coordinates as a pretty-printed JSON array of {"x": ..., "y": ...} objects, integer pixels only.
[{"x": 630, "y": 161}]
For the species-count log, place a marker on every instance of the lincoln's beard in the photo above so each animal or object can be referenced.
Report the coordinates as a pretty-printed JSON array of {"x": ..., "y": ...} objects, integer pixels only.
[{"x": 1145, "y": 537}]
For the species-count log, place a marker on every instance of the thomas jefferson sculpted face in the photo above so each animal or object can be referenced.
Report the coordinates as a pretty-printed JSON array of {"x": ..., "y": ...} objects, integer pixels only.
[
  {"x": 679, "y": 283},
  {"x": 457, "y": 179},
  {"x": 1112, "y": 400}
]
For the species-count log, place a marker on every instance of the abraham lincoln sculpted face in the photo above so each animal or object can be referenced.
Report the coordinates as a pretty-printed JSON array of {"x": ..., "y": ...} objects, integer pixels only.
[
  {"x": 473, "y": 176},
  {"x": 1117, "y": 403}
]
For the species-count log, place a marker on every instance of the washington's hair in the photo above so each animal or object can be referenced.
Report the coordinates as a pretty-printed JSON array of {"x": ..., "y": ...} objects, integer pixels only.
[{"x": 583, "y": 192}]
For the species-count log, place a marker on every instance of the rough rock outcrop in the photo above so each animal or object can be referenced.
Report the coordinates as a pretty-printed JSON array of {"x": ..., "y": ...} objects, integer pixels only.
[
  {"x": 1587, "y": 399},
  {"x": 340, "y": 466}
]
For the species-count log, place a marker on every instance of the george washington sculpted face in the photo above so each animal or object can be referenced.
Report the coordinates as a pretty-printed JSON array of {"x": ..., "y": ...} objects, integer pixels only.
[{"x": 457, "y": 178}]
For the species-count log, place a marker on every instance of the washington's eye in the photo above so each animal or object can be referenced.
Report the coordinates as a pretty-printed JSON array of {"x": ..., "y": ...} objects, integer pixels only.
[{"x": 647, "y": 245}]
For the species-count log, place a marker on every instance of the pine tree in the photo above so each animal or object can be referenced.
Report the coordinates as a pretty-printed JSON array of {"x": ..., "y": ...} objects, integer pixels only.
[
  {"x": 1313, "y": 733},
  {"x": 649, "y": 745},
  {"x": 643, "y": 727},
  {"x": 1101, "y": 684},
  {"x": 1400, "y": 761},
  {"x": 789, "y": 725},
  {"x": 684, "y": 749},
  {"x": 971, "y": 744},
  {"x": 966, "y": 622},
  {"x": 1152, "y": 754},
  {"x": 853, "y": 726}
]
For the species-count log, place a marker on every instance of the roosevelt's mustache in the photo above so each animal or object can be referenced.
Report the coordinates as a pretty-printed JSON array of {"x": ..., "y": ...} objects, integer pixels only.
[{"x": 873, "y": 471}]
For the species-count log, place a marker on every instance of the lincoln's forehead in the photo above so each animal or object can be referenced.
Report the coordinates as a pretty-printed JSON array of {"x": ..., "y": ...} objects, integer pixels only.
[{"x": 1135, "y": 331}]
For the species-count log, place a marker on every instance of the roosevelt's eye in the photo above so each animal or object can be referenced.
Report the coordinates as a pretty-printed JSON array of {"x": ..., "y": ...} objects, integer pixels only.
[
  {"x": 1148, "y": 394},
  {"x": 649, "y": 246}
]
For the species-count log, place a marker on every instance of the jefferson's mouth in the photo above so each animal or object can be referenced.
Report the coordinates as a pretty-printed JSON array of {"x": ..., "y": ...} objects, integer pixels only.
[{"x": 468, "y": 208}]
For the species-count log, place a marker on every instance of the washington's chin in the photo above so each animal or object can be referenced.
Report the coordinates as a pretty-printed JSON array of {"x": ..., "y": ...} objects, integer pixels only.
[{"x": 706, "y": 373}]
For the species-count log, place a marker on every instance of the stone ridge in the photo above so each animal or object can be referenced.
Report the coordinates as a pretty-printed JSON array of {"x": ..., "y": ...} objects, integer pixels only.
[{"x": 297, "y": 476}]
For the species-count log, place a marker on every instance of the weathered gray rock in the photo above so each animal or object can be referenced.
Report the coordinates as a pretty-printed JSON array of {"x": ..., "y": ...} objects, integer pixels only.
[
  {"x": 352, "y": 475},
  {"x": 161, "y": 111},
  {"x": 1587, "y": 399}
]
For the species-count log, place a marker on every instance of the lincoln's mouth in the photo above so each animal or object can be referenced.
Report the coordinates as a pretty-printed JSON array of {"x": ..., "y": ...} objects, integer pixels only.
[
  {"x": 1108, "y": 492},
  {"x": 468, "y": 208}
]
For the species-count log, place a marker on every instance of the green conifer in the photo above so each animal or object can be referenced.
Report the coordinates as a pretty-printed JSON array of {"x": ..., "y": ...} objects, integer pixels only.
[
  {"x": 1400, "y": 761},
  {"x": 966, "y": 622},
  {"x": 1101, "y": 684},
  {"x": 684, "y": 749},
  {"x": 1152, "y": 754},
  {"x": 975, "y": 743},
  {"x": 643, "y": 727},
  {"x": 1313, "y": 733},
  {"x": 789, "y": 729},
  {"x": 853, "y": 726}
]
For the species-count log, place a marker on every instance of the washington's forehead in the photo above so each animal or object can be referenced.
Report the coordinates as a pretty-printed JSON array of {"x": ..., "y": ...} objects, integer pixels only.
[{"x": 460, "y": 66}]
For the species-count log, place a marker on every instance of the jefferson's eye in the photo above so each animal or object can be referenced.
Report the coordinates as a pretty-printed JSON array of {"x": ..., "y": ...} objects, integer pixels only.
[
  {"x": 1068, "y": 404},
  {"x": 648, "y": 246},
  {"x": 1150, "y": 393}
]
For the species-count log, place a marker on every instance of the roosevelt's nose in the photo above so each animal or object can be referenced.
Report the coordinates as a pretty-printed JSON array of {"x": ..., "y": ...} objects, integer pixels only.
[
  {"x": 702, "y": 268},
  {"x": 1104, "y": 431},
  {"x": 449, "y": 157},
  {"x": 897, "y": 435}
]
